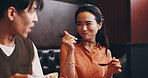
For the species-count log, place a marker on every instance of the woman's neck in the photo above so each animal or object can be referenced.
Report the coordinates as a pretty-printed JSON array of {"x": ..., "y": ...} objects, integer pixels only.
[{"x": 88, "y": 45}]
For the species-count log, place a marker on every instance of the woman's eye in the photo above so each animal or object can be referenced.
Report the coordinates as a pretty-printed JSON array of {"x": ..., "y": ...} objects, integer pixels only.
[{"x": 89, "y": 24}]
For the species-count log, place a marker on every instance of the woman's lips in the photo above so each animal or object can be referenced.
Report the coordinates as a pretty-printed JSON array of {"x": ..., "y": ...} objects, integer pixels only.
[{"x": 84, "y": 33}]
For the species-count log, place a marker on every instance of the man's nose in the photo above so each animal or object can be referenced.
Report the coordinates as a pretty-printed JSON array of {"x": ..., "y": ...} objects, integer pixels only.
[{"x": 35, "y": 17}]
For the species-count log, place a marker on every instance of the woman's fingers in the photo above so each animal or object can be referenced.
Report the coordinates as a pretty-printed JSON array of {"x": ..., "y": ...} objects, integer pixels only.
[
  {"x": 68, "y": 36},
  {"x": 119, "y": 70},
  {"x": 115, "y": 65},
  {"x": 115, "y": 60},
  {"x": 65, "y": 32},
  {"x": 69, "y": 40}
]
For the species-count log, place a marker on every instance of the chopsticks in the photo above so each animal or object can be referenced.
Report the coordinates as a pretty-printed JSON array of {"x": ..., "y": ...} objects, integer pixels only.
[
  {"x": 104, "y": 64},
  {"x": 62, "y": 35}
]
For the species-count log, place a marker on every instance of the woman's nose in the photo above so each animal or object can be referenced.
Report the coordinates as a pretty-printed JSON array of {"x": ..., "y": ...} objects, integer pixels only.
[{"x": 84, "y": 27}]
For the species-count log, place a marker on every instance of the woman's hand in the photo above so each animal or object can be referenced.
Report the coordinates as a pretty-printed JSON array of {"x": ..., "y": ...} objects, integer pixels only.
[
  {"x": 69, "y": 40},
  {"x": 69, "y": 66},
  {"x": 17, "y": 75},
  {"x": 114, "y": 66}
]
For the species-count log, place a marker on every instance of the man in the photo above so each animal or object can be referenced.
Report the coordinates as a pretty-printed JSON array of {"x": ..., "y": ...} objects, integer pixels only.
[{"x": 18, "y": 55}]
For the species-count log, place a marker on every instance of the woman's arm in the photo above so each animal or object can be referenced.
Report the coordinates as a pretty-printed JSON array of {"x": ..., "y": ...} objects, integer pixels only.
[
  {"x": 113, "y": 67},
  {"x": 67, "y": 64}
]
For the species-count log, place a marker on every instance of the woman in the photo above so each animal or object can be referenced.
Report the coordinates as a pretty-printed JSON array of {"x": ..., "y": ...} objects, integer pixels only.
[{"x": 85, "y": 59}]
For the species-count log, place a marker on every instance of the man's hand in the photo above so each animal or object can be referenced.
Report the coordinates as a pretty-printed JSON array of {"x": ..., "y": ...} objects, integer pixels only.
[{"x": 17, "y": 75}]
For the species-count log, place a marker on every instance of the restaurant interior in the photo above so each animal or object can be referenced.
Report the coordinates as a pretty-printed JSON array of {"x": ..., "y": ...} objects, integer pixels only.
[{"x": 126, "y": 24}]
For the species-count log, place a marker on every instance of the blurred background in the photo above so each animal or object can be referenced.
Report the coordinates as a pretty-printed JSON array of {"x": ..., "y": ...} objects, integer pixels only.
[{"x": 126, "y": 23}]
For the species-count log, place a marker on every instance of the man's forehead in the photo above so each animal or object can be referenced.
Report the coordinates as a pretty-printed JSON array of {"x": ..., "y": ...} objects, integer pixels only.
[{"x": 34, "y": 5}]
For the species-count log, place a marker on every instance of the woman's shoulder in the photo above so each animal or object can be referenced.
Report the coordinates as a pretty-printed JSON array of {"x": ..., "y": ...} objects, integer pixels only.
[{"x": 105, "y": 50}]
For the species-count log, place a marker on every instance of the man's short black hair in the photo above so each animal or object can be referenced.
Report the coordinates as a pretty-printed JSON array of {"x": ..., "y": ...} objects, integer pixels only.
[{"x": 19, "y": 5}]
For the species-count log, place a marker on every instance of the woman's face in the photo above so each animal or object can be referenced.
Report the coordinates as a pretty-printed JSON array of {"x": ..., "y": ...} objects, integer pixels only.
[{"x": 87, "y": 25}]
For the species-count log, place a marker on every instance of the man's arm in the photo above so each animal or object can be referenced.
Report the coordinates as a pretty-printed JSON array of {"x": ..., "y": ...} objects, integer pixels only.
[{"x": 36, "y": 66}]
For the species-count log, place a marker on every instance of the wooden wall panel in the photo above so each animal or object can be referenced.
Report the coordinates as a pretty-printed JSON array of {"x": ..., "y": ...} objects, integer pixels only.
[
  {"x": 139, "y": 21},
  {"x": 116, "y": 20}
]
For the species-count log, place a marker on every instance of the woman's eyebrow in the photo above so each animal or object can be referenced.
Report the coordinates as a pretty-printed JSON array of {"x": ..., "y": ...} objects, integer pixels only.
[{"x": 88, "y": 21}]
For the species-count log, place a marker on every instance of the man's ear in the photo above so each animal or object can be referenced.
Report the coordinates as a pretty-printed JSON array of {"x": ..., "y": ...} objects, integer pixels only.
[
  {"x": 100, "y": 25},
  {"x": 11, "y": 12}
]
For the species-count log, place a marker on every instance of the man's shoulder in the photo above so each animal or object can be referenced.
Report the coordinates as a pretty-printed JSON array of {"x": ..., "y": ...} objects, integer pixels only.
[
  {"x": 22, "y": 39},
  {"x": 26, "y": 42}
]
